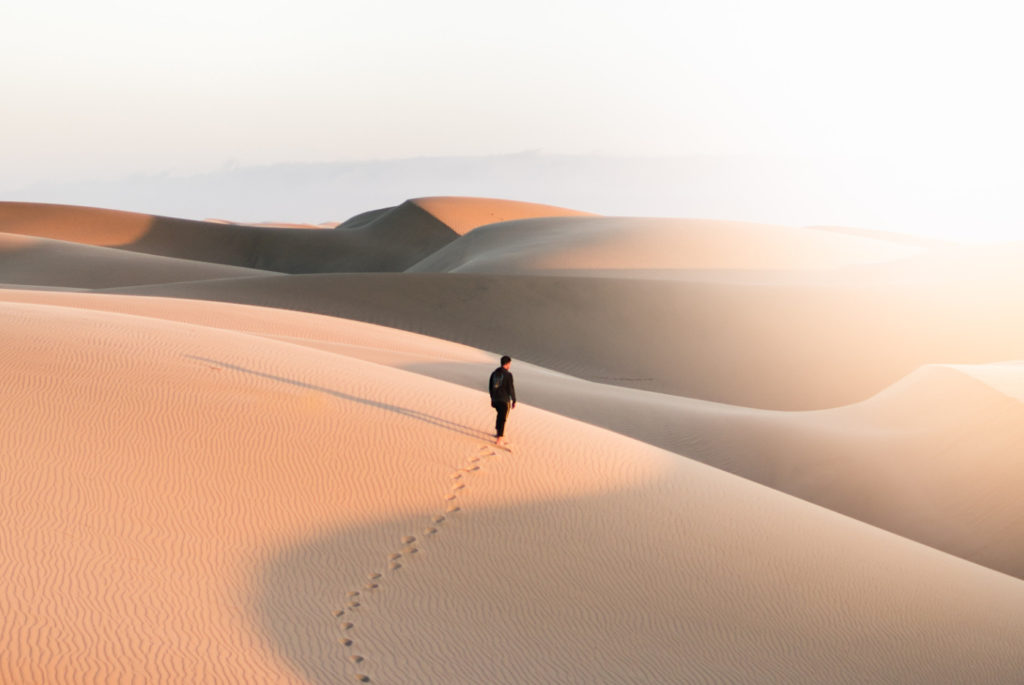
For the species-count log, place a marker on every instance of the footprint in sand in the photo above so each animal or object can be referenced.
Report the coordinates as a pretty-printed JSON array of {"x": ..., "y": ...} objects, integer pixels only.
[{"x": 458, "y": 483}]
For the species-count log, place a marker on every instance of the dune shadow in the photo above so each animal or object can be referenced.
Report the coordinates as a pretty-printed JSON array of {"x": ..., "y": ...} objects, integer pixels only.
[
  {"x": 300, "y": 598},
  {"x": 391, "y": 239},
  {"x": 430, "y": 419},
  {"x": 464, "y": 609}
]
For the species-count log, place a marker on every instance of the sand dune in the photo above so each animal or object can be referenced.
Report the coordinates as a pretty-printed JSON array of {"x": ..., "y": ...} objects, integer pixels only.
[
  {"x": 275, "y": 224},
  {"x": 899, "y": 460},
  {"x": 734, "y": 314},
  {"x": 935, "y": 458},
  {"x": 615, "y": 243},
  {"x": 27, "y": 260},
  {"x": 772, "y": 346},
  {"x": 391, "y": 240},
  {"x": 464, "y": 214},
  {"x": 196, "y": 490},
  {"x": 204, "y": 504},
  {"x": 86, "y": 225}
]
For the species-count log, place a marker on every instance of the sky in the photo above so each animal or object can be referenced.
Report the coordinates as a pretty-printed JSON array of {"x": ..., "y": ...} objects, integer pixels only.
[{"x": 109, "y": 89}]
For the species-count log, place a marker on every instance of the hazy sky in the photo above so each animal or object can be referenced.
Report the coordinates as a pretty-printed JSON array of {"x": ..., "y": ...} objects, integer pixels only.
[{"x": 112, "y": 87}]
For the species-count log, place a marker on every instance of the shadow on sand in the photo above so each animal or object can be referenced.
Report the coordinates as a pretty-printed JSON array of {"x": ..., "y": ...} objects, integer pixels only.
[{"x": 437, "y": 421}]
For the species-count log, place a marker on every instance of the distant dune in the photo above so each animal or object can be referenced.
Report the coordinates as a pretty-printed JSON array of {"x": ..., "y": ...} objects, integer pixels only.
[
  {"x": 463, "y": 214},
  {"x": 32, "y": 261},
  {"x": 388, "y": 240},
  {"x": 200, "y": 490},
  {"x": 614, "y": 243}
]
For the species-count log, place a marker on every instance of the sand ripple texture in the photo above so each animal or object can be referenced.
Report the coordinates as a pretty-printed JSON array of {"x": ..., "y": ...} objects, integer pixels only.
[{"x": 183, "y": 503}]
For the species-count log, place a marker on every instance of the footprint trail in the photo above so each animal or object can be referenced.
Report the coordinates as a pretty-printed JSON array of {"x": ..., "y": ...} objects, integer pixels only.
[{"x": 408, "y": 546}]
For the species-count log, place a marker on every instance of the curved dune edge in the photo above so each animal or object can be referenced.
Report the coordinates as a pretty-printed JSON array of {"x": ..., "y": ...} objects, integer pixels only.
[
  {"x": 71, "y": 223},
  {"x": 464, "y": 214},
  {"x": 582, "y": 243},
  {"x": 47, "y": 262},
  {"x": 1006, "y": 377},
  {"x": 204, "y": 501},
  {"x": 391, "y": 239}
]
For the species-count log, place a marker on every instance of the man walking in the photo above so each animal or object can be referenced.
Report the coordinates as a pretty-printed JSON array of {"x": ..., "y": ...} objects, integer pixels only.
[{"x": 503, "y": 396}]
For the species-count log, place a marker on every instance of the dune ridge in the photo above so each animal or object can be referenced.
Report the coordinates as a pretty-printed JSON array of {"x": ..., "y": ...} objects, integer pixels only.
[
  {"x": 465, "y": 214},
  {"x": 28, "y": 260},
  {"x": 571, "y": 244},
  {"x": 389, "y": 239}
]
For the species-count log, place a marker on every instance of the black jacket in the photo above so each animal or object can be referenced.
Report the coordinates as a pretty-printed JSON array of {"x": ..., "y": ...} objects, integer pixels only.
[{"x": 502, "y": 389}]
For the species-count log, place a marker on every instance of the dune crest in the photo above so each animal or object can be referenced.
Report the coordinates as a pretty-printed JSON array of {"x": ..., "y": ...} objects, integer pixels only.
[
  {"x": 33, "y": 261},
  {"x": 609, "y": 244},
  {"x": 1006, "y": 377},
  {"x": 464, "y": 214},
  {"x": 86, "y": 225},
  {"x": 385, "y": 240}
]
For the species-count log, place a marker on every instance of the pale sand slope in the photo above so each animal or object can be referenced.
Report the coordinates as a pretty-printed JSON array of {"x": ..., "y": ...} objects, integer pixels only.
[
  {"x": 29, "y": 260},
  {"x": 934, "y": 458},
  {"x": 615, "y": 243},
  {"x": 190, "y": 504}
]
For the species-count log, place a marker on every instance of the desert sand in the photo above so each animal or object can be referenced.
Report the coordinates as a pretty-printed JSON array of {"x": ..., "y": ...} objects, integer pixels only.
[{"x": 743, "y": 453}]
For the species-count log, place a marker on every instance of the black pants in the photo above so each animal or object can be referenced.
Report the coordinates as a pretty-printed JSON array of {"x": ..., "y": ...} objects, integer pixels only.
[{"x": 502, "y": 409}]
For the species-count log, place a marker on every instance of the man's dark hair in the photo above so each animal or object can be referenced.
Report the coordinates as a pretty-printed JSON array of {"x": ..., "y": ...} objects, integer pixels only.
[{"x": 505, "y": 360}]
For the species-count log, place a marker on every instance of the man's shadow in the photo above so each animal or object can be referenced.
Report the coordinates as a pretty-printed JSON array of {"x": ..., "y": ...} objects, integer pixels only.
[{"x": 462, "y": 429}]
